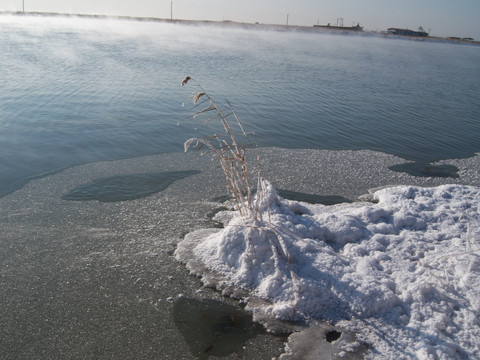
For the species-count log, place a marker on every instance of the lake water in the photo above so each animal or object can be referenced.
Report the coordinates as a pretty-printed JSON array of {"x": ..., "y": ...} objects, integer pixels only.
[
  {"x": 81, "y": 90},
  {"x": 91, "y": 109}
]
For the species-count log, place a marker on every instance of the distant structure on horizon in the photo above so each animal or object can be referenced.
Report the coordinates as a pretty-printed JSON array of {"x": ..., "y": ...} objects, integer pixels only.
[
  {"x": 408, "y": 32},
  {"x": 336, "y": 27},
  {"x": 456, "y": 38}
]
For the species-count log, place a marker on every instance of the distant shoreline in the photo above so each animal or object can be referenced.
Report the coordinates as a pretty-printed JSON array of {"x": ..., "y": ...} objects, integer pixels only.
[{"x": 256, "y": 26}]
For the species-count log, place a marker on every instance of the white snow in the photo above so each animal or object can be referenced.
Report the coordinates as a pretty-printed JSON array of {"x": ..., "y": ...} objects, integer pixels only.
[{"x": 402, "y": 273}]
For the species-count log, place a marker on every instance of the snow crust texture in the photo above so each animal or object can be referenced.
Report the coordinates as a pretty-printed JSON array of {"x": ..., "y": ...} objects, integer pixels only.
[{"x": 402, "y": 272}]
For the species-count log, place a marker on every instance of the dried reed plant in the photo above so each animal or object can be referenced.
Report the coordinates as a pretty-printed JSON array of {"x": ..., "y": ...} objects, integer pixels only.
[{"x": 230, "y": 152}]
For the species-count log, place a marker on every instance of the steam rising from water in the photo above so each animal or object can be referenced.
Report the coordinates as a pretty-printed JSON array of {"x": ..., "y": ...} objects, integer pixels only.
[{"x": 79, "y": 90}]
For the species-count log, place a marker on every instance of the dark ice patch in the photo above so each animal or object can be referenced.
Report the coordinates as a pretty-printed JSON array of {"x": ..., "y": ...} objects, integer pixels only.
[
  {"x": 213, "y": 328},
  {"x": 426, "y": 170},
  {"x": 299, "y": 196},
  {"x": 126, "y": 187},
  {"x": 312, "y": 198}
]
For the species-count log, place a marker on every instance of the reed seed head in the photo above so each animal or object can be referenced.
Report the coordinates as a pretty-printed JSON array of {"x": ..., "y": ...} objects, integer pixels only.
[
  {"x": 197, "y": 97},
  {"x": 185, "y": 81}
]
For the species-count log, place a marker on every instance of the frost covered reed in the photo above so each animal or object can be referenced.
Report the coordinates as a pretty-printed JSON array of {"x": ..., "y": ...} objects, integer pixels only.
[
  {"x": 253, "y": 230},
  {"x": 229, "y": 147}
]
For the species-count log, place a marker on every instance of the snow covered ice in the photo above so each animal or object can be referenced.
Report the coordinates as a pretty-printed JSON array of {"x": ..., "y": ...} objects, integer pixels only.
[{"x": 401, "y": 270}]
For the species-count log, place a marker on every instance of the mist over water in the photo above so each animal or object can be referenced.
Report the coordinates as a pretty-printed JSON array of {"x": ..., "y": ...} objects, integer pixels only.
[{"x": 81, "y": 90}]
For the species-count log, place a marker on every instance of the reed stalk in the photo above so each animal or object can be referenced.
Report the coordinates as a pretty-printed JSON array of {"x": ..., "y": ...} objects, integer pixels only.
[{"x": 230, "y": 152}]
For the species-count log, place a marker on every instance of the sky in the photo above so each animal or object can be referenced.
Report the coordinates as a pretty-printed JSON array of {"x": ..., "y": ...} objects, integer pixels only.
[{"x": 440, "y": 17}]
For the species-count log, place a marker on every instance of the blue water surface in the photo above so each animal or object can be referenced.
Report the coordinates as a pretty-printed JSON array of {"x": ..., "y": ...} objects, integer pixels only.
[{"x": 79, "y": 90}]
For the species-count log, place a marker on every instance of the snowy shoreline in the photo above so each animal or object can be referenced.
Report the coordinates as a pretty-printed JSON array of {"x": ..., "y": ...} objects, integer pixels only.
[{"x": 403, "y": 274}]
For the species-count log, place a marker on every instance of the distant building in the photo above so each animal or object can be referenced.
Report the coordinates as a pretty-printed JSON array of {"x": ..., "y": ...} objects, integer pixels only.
[{"x": 408, "y": 32}]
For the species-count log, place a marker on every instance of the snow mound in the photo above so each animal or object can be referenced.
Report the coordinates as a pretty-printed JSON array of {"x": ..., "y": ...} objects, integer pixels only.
[{"x": 403, "y": 273}]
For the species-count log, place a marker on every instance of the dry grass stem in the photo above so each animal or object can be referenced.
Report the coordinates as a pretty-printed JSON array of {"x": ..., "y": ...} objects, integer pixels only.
[{"x": 230, "y": 152}]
